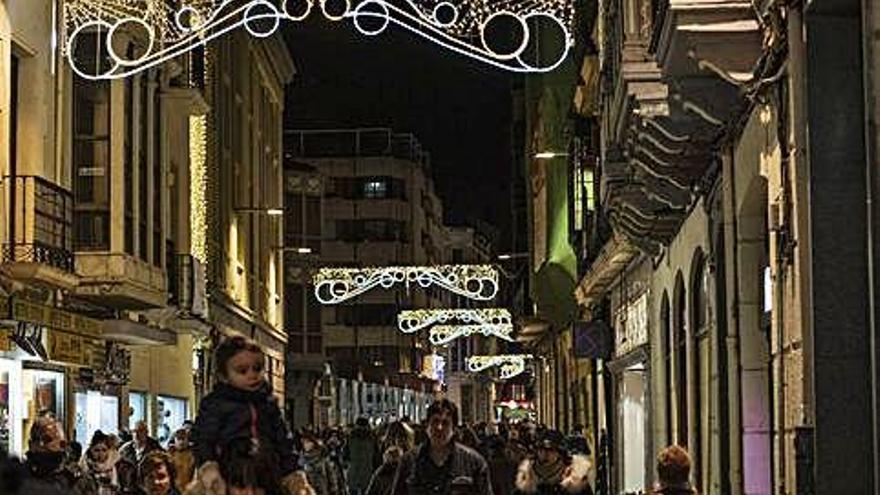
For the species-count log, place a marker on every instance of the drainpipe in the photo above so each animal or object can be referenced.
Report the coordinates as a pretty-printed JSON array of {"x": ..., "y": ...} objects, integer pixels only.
[
  {"x": 868, "y": 53},
  {"x": 734, "y": 369}
]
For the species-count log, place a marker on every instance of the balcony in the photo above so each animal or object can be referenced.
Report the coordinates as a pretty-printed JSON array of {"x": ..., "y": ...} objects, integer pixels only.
[
  {"x": 120, "y": 281},
  {"x": 40, "y": 247}
]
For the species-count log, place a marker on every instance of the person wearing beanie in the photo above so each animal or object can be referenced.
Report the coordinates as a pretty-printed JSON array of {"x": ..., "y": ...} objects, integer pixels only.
[{"x": 674, "y": 472}]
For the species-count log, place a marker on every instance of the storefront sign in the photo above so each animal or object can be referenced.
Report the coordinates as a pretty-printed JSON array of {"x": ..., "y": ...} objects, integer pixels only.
[
  {"x": 631, "y": 329},
  {"x": 5, "y": 342},
  {"x": 55, "y": 319},
  {"x": 67, "y": 348}
]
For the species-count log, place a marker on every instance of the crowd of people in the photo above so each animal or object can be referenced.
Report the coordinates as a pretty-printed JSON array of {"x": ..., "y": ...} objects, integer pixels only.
[{"x": 239, "y": 444}]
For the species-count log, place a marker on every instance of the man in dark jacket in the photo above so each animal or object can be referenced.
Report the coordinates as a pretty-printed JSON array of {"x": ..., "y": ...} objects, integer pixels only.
[
  {"x": 363, "y": 456},
  {"x": 140, "y": 445},
  {"x": 441, "y": 465}
]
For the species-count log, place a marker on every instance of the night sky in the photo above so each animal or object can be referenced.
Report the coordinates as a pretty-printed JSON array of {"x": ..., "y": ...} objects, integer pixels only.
[{"x": 459, "y": 109}]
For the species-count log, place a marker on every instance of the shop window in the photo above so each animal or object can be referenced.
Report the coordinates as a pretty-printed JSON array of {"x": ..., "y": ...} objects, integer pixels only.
[
  {"x": 632, "y": 415},
  {"x": 95, "y": 411},
  {"x": 11, "y": 408},
  {"x": 137, "y": 404},
  {"x": 172, "y": 414}
]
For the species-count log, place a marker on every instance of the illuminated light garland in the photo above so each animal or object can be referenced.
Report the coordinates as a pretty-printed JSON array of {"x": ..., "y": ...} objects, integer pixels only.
[
  {"x": 414, "y": 320},
  {"x": 460, "y": 26},
  {"x": 335, "y": 285},
  {"x": 444, "y": 334},
  {"x": 510, "y": 365},
  {"x": 198, "y": 187}
]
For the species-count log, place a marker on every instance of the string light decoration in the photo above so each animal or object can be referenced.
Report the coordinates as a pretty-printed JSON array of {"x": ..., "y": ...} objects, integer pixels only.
[
  {"x": 476, "y": 282},
  {"x": 414, "y": 320},
  {"x": 164, "y": 30},
  {"x": 198, "y": 187},
  {"x": 510, "y": 365},
  {"x": 444, "y": 334}
]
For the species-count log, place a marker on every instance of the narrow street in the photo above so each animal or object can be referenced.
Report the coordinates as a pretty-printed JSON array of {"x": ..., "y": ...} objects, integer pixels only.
[{"x": 452, "y": 247}]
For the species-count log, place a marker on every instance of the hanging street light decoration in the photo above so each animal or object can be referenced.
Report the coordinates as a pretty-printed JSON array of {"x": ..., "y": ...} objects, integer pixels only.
[
  {"x": 414, "y": 320},
  {"x": 510, "y": 365},
  {"x": 444, "y": 334},
  {"x": 476, "y": 282},
  {"x": 166, "y": 30}
]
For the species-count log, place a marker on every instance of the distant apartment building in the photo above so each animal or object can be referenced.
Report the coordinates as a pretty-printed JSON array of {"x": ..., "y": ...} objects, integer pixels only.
[{"x": 372, "y": 190}]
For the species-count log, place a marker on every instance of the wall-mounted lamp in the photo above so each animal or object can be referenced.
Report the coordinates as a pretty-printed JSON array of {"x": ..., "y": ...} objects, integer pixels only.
[
  {"x": 298, "y": 250},
  {"x": 510, "y": 256},
  {"x": 272, "y": 212},
  {"x": 547, "y": 155}
]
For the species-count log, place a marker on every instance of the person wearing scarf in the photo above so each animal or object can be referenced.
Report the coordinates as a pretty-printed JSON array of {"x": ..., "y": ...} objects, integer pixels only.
[
  {"x": 104, "y": 465},
  {"x": 552, "y": 472},
  {"x": 45, "y": 459}
]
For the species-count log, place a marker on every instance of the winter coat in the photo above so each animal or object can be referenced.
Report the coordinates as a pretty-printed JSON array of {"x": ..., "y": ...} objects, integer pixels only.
[
  {"x": 49, "y": 468},
  {"x": 363, "y": 457},
  {"x": 383, "y": 478},
  {"x": 184, "y": 462},
  {"x": 228, "y": 413},
  {"x": 411, "y": 477},
  {"x": 116, "y": 476},
  {"x": 571, "y": 479},
  {"x": 319, "y": 472},
  {"x": 129, "y": 451}
]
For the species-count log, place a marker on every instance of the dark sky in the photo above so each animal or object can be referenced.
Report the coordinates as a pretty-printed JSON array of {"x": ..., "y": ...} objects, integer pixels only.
[{"x": 458, "y": 108}]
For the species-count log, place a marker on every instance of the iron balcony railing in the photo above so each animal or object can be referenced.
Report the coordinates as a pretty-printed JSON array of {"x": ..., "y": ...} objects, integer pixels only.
[{"x": 40, "y": 223}]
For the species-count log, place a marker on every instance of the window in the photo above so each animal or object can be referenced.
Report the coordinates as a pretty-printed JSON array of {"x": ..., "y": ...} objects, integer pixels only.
[
  {"x": 681, "y": 361},
  {"x": 158, "y": 186},
  {"x": 303, "y": 320},
  {"x": 91, "y": 155},
  {"x": 142, "y": 172},
  {"x": 128, "y": 165},
  {"x": 375, "y": 189},
  {"x": 667, "y": 348}
]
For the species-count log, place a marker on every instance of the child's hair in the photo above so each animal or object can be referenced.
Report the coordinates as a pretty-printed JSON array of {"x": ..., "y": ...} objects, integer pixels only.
[
  {"x": 228, "y": 348},
  {"x": 244, "y": 464}
]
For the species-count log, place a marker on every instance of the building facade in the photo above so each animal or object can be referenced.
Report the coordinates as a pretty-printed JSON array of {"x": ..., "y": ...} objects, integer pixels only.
[
  {"x": 105, "y": 260},
  {"x": 727, "y": 165},
  {"x": 373, "y": 193}
]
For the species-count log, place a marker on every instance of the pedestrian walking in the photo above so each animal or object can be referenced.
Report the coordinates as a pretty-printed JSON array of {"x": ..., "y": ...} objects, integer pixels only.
[
  {"x": 441, "y": 465},
  {"x": 112, "y": 474},
  {"x": 183, "y": 458},
  {"x": 363, "y": 452},
  {"x": 551, "y": 471},
  {"x": 399, "y": 439},
  {"x": 241, "y": 406},
  {"x": 141, "y": 444},
  {"x": 674, "y": 472},
  {"x": 317, "y": 466},
  {"x": 156, "y": 474},
  {"x": 46, "y": 456}
]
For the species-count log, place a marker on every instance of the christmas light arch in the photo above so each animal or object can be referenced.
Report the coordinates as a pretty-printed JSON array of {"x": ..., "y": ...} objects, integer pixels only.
[{"x": 172, "y": 28}]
